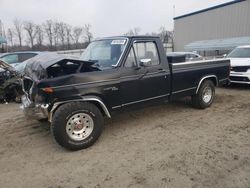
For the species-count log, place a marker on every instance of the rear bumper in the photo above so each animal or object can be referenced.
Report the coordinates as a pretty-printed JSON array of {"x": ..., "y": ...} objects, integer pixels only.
[
  {"x": 34, "y": 111},
  {"x": 240, "y": 77}
]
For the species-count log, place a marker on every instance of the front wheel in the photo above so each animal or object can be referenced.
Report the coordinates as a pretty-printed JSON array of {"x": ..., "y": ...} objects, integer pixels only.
[
  {"x": 205, "y": 96},
  {"x": 77, "y": 125}
]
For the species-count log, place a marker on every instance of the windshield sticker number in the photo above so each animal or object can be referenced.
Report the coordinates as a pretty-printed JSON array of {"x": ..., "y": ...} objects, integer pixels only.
[{"x": 120, "y": 42}]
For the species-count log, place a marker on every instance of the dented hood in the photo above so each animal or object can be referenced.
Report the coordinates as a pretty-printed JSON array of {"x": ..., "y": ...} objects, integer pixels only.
[{"x": 36, "y": 67}]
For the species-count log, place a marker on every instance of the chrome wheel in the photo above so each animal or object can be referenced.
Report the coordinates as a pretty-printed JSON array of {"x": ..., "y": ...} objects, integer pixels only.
[
  {"x": 207, "y": 94},
  {"x": 79, "y": 126}
]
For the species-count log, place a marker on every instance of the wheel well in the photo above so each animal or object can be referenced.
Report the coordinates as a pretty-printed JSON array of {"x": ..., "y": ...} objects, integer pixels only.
[
  {"x": 98, "y": 106},
  {"x": 213, "y": 78}
]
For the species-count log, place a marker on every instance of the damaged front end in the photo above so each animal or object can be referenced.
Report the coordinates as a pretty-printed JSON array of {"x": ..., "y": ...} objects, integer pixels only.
[
  {"x": 32, "y": 109},
  {"x": 42, "y": 74},
  {"x": 10, "y": 83}
]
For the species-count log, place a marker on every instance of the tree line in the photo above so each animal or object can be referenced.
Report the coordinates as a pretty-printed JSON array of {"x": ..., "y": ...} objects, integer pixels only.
[{"x": 51, "y": 35}]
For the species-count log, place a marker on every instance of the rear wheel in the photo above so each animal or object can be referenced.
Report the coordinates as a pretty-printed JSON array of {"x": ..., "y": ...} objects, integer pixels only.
[
  {"x": 77, "y": 125},
  {"x": 205, "y": 96}
]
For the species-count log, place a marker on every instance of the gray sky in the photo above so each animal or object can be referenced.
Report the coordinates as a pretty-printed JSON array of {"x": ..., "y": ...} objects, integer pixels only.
[{"x": 107, "y": 17}]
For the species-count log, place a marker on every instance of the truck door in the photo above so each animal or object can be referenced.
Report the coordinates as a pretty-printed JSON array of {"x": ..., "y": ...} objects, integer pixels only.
[
  {"x": 155, "y": 79},
  {"x": 129, "y": 80}
]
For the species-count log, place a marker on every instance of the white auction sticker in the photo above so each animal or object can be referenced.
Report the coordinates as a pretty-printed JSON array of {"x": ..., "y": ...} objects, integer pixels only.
[{"x": 118, "y": 41}]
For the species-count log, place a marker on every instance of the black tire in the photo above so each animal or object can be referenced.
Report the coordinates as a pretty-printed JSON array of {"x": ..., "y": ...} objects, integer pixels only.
[
  {"x": 64, "y": 113},
  {"x": 198, "y": 100}
]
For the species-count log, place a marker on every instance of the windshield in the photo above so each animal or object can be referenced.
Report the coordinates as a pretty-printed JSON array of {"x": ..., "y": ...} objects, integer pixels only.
[
  {"x": 104, "y": 53},
  {"x": 11, "y": 58},
  {"x": 240, "y": 53}
]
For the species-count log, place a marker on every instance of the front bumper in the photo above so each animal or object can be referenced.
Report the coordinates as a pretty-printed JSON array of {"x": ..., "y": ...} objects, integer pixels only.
[
  {"x": 34, "y": 111},
  {"x": 240, "y": 77}
]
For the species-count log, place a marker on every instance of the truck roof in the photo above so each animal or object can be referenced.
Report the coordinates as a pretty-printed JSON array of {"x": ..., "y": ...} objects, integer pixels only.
[{"x": 130, "y": 37}]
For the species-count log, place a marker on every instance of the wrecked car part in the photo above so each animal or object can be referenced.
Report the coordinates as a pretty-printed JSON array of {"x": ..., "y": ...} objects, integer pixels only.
[
  {"x": 49, "y": 72},
  {"x": 48, "y": 66},
  {"x": 10, "y": 87}
]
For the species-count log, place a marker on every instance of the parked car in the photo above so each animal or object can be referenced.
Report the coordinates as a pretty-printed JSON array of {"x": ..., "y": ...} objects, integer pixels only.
[
  {"x": 14, "y": 58},
  {"x": 189, "y": 56},
  {"x": 112, "y": 74},
  {"x": 240, "y": 65}
]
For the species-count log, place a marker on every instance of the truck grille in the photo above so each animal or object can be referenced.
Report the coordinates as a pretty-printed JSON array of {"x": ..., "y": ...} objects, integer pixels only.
[
  {"x": 239, "y": 79},
  {"x": 240, "y": 69}
]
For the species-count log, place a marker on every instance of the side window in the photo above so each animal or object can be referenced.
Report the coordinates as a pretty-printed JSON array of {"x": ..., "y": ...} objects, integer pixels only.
[
  {"x": 130, "y": 61},
  {"x": 147, "y": 50},
  {"x": 25, "y": 56}
]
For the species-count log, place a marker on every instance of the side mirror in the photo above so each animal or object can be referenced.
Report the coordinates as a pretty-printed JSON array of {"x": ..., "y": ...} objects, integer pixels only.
[{"x": 145, "y": 62}]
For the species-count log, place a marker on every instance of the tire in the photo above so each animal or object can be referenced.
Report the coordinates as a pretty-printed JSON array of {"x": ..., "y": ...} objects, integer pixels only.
[
  {"x": 201, "y": 101},
  {"x": 77, "y": 125}
]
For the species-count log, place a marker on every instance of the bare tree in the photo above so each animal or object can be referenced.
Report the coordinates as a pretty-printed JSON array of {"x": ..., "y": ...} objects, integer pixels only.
[
  {"x": 68, "y": 29},
  {"x": 134, "y": 31},
  {"x": 77, "y": 32},
  {"x": 165, "y": 35},
  {"x": 55, "y": 33},
  {"x": 87, "y": 33},
  {"x": 48, "y": 28},
  {"x": 10, "y": 36},
  {"x": 39, "y": 35},
  {"x": 18, "y": 25},
  {"x": 62, "y": 33},
  {"x": 1, "y": 28},
  {"x": 30, "y": 27}
]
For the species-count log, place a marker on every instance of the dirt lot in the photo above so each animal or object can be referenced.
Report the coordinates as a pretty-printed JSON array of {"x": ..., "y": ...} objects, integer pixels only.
[{"x": 172, "y": 145}]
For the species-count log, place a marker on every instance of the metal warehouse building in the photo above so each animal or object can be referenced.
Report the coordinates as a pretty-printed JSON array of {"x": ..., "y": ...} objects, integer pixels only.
[{"x": 215, "y": 30}]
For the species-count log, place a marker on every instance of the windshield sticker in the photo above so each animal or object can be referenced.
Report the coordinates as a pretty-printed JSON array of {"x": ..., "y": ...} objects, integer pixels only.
[{"x": 118, "y": 42}]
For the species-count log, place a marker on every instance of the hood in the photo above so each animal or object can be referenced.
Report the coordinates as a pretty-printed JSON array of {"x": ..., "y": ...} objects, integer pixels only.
[
  {"x": 240, "y": 62},
  {"x": 36, "y": 67}
]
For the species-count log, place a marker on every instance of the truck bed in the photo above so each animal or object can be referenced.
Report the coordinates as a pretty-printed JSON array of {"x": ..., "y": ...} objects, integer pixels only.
[{"x": 187, "y": 75}]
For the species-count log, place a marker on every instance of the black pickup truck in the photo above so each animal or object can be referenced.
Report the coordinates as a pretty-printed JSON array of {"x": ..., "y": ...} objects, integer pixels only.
[{"x": 112, "y": 74}]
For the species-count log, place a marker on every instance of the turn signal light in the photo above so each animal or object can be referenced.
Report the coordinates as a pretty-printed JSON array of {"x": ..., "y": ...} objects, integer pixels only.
[{"x": 48, "y": 90}]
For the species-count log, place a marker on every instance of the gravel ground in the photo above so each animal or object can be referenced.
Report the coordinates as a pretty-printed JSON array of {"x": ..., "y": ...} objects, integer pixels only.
[{"x": 171, "y": 145}]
